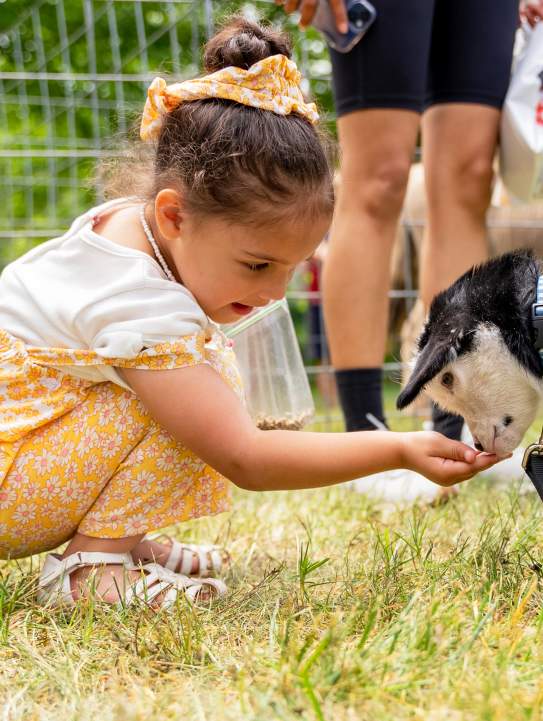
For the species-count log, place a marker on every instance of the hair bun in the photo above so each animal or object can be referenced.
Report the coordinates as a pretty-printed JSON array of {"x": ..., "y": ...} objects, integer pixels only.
[{"x": 242, "y": 43}]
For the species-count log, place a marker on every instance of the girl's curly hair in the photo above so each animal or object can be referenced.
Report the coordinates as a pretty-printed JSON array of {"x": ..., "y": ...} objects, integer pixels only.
[{"x": 247, "y": 165}]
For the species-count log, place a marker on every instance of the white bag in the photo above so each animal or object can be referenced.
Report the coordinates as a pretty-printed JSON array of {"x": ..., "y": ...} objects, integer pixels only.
[{"x": 521, "y": 135}]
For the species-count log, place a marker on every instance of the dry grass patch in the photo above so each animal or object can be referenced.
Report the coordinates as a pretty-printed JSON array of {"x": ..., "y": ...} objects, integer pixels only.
[{"x": 337, "y": 611}]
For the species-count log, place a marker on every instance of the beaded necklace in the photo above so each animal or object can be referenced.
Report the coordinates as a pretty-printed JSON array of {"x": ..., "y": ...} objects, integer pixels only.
[{"x": 154, "y": 246}]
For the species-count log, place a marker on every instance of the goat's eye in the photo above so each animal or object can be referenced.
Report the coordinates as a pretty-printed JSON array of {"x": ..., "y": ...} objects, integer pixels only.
[
  {"x": 447, "y": 379},
  {"x": 507, "y": 420}
]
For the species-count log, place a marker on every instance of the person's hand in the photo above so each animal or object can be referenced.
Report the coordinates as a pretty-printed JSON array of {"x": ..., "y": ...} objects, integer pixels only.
[
  {"x": 442, "y": 460},
  {"x": 307, "y": 10},
  {"x": 532, "y": 12}
]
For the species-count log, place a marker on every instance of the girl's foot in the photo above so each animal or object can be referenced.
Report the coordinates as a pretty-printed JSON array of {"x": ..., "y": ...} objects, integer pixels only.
[
  {"x": 185, "y": 558},
  {"x": 115, "y": 579}
]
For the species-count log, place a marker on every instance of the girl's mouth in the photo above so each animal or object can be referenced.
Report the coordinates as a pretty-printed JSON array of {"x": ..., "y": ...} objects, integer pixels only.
[{"x": 241, "y": 308}]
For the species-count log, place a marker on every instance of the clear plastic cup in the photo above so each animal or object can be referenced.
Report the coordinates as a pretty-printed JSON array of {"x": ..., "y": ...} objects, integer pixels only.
[{"x": 277, "y": 390}]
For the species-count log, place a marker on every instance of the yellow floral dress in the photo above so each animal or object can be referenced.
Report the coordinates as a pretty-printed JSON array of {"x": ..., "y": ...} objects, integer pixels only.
[{"x": 76, "y": 455}]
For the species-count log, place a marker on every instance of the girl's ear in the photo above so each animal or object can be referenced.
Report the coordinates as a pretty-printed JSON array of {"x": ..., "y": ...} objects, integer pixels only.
[
  {"x": 169, "y": 213},
  {"x": 431, "y": 360}
]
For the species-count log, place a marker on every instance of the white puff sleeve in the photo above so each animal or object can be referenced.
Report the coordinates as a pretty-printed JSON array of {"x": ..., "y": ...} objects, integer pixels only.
[{"x": 159, "y": 325}]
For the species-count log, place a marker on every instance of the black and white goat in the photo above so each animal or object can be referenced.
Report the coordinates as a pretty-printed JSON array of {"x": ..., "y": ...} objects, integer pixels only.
[{"x": 477, "y": 354}]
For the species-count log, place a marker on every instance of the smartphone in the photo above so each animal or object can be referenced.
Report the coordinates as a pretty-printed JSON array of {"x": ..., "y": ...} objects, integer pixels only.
[{"x": 360, "y": 16}]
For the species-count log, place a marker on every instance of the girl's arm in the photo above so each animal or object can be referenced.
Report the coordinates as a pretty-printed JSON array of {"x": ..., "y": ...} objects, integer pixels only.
[{"x": 202, "y": 412}]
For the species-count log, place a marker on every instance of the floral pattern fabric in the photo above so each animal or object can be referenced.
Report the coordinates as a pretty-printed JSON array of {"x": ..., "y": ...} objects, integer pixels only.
[
  {"x": 81, "y": 456},
  {"x": 273, "y": 83}
]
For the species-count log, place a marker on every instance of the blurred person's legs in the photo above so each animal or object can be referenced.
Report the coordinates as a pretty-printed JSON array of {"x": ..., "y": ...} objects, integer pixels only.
[
  {"x": 417, "y": 55},
  {"x": 469, "y": 68},
  {"x": 458, "y": 187},
  {"x": 356, "y": 275},
  {"x": 379, "y": 89}
]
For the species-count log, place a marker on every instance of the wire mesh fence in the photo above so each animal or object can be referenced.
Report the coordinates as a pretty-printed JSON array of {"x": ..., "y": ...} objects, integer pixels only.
[
  {"x": 76, "y": 75},
  {"x": 73, "y": 74}
]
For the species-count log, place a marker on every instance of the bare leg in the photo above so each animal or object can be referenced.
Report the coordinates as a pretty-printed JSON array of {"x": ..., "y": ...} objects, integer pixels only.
[
  {"x": 110, "y": 581},
  {"x": 102, "y": 545},
  {"x": 147, "y": 550},
  {"x": 459, "y": 143},
  {"x": 376, "y": 149}
]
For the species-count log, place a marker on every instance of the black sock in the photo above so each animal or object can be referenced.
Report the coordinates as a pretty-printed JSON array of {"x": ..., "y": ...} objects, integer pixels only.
[
  {"x": 447, "y": 423},
  {"x": 360, "y": 393}
]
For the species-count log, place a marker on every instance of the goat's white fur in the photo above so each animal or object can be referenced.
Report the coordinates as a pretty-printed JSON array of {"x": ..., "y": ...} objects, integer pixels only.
[{"x": 489, "y": 385}]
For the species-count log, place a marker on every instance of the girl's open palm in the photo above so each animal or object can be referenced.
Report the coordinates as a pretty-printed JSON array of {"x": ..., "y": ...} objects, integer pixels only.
[{"x": 442, "y": 460}]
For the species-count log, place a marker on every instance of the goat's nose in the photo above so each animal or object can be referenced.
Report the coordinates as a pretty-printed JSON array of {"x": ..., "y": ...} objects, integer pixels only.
[{"x": 478, "y": 446}]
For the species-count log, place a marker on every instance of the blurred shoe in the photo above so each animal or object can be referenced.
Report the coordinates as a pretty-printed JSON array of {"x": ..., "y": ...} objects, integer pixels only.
[{"x": 398, "y": 487}]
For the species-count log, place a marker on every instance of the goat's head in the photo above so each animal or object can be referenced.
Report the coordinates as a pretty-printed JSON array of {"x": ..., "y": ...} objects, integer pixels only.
[{"x": 476, "y": 355}]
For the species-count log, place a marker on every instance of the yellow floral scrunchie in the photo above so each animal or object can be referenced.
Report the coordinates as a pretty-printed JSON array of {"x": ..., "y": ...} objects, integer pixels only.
[{"x": 270, "y": 84}]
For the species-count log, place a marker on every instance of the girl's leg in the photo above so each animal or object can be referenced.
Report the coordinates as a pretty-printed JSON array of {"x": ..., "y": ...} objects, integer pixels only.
[
  {"x": 105, "y": 471},
  {"x": 62, "y": 467},
  {"x": 148, "y": 550},
  {"x": 109, "y": 582},
  {"x": 159, "y": 483}
]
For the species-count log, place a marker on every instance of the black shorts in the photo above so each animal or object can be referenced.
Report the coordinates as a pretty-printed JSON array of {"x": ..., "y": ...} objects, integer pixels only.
[{"x": 422, "y": 52}]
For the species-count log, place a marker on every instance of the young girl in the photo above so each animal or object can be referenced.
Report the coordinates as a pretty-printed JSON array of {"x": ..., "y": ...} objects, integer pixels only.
[{"x": 120, "y": 402}]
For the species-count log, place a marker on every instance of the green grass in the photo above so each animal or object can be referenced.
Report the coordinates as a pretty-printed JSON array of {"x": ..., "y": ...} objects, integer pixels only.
[{"x": 337, "y": 611}]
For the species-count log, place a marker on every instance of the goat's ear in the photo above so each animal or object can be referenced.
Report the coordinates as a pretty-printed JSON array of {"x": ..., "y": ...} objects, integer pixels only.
[
  {"x": 428, "y": 364},
  {"x": 524, "y": 352}
]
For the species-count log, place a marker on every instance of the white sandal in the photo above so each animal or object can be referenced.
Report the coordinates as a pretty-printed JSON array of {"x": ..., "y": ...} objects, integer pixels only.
[
  {"x": 54, "y": 587},
  {"x": 210, "y": 558}
]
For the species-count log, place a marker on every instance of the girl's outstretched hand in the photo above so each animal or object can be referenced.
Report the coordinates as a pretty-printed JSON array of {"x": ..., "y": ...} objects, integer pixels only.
[{"x": 442, "y": 460}]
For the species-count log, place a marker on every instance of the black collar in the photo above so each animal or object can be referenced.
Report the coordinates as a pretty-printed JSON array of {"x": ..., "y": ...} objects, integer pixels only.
[
  {"x": 533, "y": 455},
  {"x": 537, "y": 315}
]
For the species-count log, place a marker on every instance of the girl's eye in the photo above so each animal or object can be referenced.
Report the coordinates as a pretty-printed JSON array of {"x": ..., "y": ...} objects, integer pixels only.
[
  {"x": 447, "y": 379},
  {"x": 257, "y": 266}
]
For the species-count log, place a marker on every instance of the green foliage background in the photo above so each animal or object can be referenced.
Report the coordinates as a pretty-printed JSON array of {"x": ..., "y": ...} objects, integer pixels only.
[
  {"x": 39, "y": 192},
  {"x": 42, "y": 195}
]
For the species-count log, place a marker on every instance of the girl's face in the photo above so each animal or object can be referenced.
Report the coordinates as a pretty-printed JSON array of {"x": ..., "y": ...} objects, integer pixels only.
[{"x": 230, "y": 269}]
